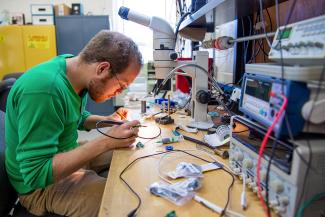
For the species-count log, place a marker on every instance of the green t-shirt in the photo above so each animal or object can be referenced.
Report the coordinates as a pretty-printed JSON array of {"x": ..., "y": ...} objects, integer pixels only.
[{"x": 42, "y": 118}]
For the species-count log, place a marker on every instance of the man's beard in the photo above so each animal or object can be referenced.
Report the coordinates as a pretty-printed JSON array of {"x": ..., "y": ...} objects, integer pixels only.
[{"x": 96, "y": 90}]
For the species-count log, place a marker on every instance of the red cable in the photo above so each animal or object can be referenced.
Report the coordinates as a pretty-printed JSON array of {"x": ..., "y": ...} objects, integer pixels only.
[{"x": 260, "y": 153}]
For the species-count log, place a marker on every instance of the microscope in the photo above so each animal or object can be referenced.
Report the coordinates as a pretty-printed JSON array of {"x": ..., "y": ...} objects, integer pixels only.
[{"x": 166, "y": 66}]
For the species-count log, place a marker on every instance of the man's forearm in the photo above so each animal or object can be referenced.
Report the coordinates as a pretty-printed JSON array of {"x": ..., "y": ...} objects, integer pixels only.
[
  {"x": 68, "y": 162},
  {"x": 90, "y": 122}
]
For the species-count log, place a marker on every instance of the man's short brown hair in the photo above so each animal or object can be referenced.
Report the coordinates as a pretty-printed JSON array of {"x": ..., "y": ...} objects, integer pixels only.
[{"x": 113, "y": 47}]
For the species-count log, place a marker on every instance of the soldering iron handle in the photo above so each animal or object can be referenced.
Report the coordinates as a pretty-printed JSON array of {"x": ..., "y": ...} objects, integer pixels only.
[{"x": 107, "y": 123}]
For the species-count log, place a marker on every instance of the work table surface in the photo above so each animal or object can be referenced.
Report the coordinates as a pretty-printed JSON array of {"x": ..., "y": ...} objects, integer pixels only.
[{"x": 118, "y": 200}]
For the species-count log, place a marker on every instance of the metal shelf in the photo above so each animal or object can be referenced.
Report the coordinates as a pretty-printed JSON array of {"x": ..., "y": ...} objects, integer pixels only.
[
  {"x": 217, "y": 12},
  {"x": 195, "y": 20}
]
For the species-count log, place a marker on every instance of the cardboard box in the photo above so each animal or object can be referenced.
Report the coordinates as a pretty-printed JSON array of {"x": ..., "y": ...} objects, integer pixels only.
[{"x": 62, "y": 10}]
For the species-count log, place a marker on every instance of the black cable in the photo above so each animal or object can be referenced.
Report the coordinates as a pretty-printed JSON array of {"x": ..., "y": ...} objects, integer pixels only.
[
  {"x": 261, "y": 46},
  {"x": 179, "y": 23},
  {"x": 274, "y": 147},
  {"x": 246, "y": 44},
  {"x": 254, "y": 55},
  {"x": 250, "y": 33},
  {"x": 113, "y": 137},
  {"x": 229, "y": 189},
  {"x": 135, "y": 210},
  {"x": 180, "y": 7},
  {"x": 268, "y": 14},
  {"x": 243, "y": 29},
  {"x": 154, "y": 87},
  {"x": 260, "y": 42}
]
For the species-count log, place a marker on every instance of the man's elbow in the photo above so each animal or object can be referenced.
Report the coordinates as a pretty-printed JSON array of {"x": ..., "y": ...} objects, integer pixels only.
[{"x": 38, "y": 176}]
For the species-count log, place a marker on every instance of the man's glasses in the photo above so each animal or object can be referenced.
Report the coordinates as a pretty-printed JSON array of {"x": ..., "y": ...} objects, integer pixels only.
[{"x": 123, "y": 87}]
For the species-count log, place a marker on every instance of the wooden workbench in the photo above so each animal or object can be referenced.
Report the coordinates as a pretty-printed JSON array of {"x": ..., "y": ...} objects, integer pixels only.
[{"x": 118, "y": 200}]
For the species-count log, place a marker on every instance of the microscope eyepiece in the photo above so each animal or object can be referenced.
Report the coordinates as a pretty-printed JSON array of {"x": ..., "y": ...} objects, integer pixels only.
[{"x": 124, "y": 12}]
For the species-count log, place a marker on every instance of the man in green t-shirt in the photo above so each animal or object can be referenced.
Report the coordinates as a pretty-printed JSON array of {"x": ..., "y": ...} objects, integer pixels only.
[{"x": 46, "y": 107}]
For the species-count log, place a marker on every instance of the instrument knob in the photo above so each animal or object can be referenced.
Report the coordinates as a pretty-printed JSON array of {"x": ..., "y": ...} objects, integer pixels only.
[
  {"x": 236, "y": 170},
  {"x": 277, "y": 186},
  {"x": 248, "y": 163},
  {"x": 248, "y": 180},
  {"x": 319, "y": 45},
  {"x": 310, "y": 44},
  {"x": 302, "y": 44},
  {"x": 285, "y": 48},
  {"x": 284, "y": 200},
  {"x": 280, "y": 210},
  {"x": 239, "y": 156},
  {"x": 252, "y": 185},
  {"x": 273, "y": 203},
  {"x": 290, "y": 45}
]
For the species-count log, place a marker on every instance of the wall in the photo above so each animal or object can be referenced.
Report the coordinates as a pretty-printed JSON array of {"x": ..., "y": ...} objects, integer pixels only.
[{"x": 91, "y": 7}]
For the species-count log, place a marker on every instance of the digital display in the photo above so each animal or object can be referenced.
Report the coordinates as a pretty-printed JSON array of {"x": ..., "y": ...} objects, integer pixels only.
[
  {"x": 258, "y": 89},
  {"x": 285, "y": 34}
]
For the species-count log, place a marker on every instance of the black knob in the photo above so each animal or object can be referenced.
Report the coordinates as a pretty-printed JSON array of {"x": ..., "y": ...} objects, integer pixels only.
[
  {"x": 173, "y": 55},
  {"x": 203, "y": 96},
  {"x": 319, "y": 45}
]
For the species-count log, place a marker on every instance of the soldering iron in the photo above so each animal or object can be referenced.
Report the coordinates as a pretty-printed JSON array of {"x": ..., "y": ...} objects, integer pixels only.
[{"x": 109, "y": 123}]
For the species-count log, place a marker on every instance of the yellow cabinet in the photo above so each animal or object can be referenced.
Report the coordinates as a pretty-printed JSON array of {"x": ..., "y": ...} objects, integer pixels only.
[
  {"x": 11, "y": 50},
  {"x": 22, "y": 47},
  {"x": 39, "y": 44}
]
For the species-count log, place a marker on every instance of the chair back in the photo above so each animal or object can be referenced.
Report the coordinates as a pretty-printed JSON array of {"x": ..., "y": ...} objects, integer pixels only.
[
  {"x": 5, "y": 86},
  {"x": 8, "y": 196}
]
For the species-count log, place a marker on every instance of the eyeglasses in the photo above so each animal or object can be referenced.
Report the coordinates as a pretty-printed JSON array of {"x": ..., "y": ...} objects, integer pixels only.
[{"x": 122, "y": 87}]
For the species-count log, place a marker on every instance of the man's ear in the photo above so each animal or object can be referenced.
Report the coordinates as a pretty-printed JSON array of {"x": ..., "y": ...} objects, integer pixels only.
[{"x": 103, "y": 67}]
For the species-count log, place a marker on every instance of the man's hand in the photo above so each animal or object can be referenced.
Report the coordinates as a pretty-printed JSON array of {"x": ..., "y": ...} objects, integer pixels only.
[
  {"x": 120, "y": 114},
  {"x": 126, "y": 130},
  {"x": 65, "y": 163}
]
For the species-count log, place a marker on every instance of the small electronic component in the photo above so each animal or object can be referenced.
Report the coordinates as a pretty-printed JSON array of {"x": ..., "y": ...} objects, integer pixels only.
[
  {"x": 222, "y": 153},
  {"x": 140, "y": 145},
  {"x": 171, "y": 214},
  {"x": 225, "y": 119},
  {"x": 166, "y": 119}
]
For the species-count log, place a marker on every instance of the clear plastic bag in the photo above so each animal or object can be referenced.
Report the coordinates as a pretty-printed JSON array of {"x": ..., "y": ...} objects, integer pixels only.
[
  {"x": 179, "y": 193},
  {"x": 185, "y": 169},
  {"x": 190, "y": 184},
  {"x": 181, "y": 98}
]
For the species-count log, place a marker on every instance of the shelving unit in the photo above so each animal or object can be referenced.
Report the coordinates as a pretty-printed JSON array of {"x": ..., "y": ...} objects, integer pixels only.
[{"x": 217, "y": 12}]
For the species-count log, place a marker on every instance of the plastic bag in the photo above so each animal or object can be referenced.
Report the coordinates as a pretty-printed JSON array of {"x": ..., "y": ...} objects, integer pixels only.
[
  {"x": 181, "y": 98},
  {"x": 179, "y": 193},
  {"x": 185, "y": 169}
]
